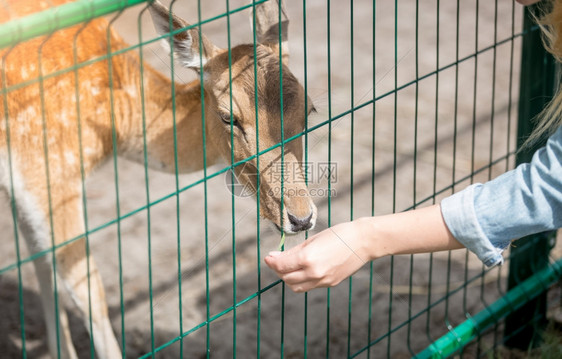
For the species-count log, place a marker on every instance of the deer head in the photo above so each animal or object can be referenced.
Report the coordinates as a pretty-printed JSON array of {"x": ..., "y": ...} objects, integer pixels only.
[{"x": 236, "y": 127}]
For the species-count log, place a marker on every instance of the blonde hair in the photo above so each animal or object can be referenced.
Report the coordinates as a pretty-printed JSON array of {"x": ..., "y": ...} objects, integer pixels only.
[{"x": 550, "y": 22}]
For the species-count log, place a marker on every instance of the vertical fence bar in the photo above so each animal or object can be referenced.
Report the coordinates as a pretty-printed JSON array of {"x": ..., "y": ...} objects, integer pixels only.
[
  {"x": 415, "y": 174},
  {"x": 510, "y": 94},
  {"x": 205, "y": 191},
  {"x": 232, "y": 179},
  {"x": 116, "y": 179},
  {"x": 83, "y": 182},
  {"x": 473, "y": 141},
  {"x": 329, "y": 54},
  {"x": 537, "y": 82},
  {"x": 48, "y": 183},
  {"x": 144, "y": 140},
  {"x": 351, "y": 140},
  {"x": 176, "y": 173},
  {"x": 492, "y": 133},
  {"x": 306, "y": 163},
  {"x": 394, "y": 174},
  {"x": 258, "y": 245},
  {"x": 373, "y": 133},
  {"x": 454, "y": 164},
  {"x": 13, "y": 203},
  {"x": 282, "y": 174},
  {"x": 147, "y": 192}
]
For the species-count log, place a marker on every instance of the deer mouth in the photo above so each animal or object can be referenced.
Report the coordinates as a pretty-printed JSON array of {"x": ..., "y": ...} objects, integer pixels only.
[
  {"x": 293, "y": 224},
  {"x": 300, "y": 224}
]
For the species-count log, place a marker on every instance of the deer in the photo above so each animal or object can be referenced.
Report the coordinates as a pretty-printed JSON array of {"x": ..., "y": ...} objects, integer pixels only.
[{"x": 59, "y": 127}]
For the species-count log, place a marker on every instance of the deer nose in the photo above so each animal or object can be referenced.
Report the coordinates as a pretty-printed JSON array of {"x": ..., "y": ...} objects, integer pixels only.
[{"x": 300, "y": 224}]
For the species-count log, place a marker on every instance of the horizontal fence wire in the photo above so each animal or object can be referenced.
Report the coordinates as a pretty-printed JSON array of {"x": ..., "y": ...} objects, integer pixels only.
[{"x": 389, "y": 160}]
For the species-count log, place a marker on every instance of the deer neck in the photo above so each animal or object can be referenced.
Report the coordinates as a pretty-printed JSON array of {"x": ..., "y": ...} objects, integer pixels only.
[{"x": 166, "y": 125}]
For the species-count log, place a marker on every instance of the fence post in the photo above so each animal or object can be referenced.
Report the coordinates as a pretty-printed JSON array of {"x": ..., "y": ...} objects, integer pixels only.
[{"x": 530, "y": 254}]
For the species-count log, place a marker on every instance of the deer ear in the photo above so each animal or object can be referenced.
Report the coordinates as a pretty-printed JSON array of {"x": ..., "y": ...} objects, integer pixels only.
[
  {"x": 267, "y": 27},
  {"x": 186, "y": 44}
]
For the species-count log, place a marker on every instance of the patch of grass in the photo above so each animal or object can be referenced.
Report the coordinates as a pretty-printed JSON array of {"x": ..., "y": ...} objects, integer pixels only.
[{"x": 550, "y": 348}]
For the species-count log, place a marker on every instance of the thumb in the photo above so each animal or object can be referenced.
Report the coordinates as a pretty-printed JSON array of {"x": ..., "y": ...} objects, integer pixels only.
[
  {"x": 271, "y": 259},
  {"x": 282, "y": 262}
]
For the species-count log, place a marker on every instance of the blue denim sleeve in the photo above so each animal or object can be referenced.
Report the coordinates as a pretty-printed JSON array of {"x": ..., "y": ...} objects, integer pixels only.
[{"x": 485, "y": 218}]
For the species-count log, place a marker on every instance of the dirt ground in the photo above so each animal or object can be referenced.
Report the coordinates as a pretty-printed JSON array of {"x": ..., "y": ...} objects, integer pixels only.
[{"x": 443, "y": 129}]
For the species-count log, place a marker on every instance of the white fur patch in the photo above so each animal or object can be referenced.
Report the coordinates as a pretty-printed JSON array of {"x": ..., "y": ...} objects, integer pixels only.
[
  {"x": 166, "y": 46},
  {"x": 131, "y": 91},
  {"x": 35, "y": 226},
  {"x": 184, "y": 53},
  {"x": 4, "y": 179},
  {"x": 69, "y": 157},
  {"x": 26, "y": 115},
  {"x": 24, "y": 118},
  {"x": 64, "y": 84},
  {"x": 64, "y": 118},
  {"x": 88, "y": 151},
  {"x": 206, "y": 76}
]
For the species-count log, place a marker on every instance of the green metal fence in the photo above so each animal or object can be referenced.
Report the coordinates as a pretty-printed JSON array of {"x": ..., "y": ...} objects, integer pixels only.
[{"x": 414, "y": 100}]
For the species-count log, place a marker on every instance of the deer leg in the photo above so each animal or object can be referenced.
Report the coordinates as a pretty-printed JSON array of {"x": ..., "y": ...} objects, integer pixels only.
[
  {"x": 36, "y": 233},
  {"x": 58, "y": 338},
  {"x": 76, "y": 273},
  {"x": 81, "y": 278}
]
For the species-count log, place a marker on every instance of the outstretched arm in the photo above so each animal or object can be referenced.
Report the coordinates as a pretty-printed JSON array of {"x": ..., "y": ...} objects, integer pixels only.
[{"x": 334, "y": 254}]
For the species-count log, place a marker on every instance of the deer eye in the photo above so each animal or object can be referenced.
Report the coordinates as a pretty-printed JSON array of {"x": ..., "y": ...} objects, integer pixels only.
[{"x": 227, "y": 119}]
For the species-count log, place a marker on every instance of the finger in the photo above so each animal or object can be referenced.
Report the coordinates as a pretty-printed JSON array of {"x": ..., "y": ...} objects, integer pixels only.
[
  {"x": 283, "y": 262},
  {"x": 296, "y": 277},
  {"x": 304, "y": 286}
]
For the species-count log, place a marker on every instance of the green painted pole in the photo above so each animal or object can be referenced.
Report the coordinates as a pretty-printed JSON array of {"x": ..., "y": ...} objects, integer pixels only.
[
  {"x": 529, "y": 254},
  {"x": 517, "y": 297},
  {"x": 58, "y": 17}
]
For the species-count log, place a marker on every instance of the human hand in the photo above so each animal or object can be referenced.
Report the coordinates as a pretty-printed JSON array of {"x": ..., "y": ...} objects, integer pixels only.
[
  {"x": 323, "y": 260},
  {"x": 334, "y": 254}
]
